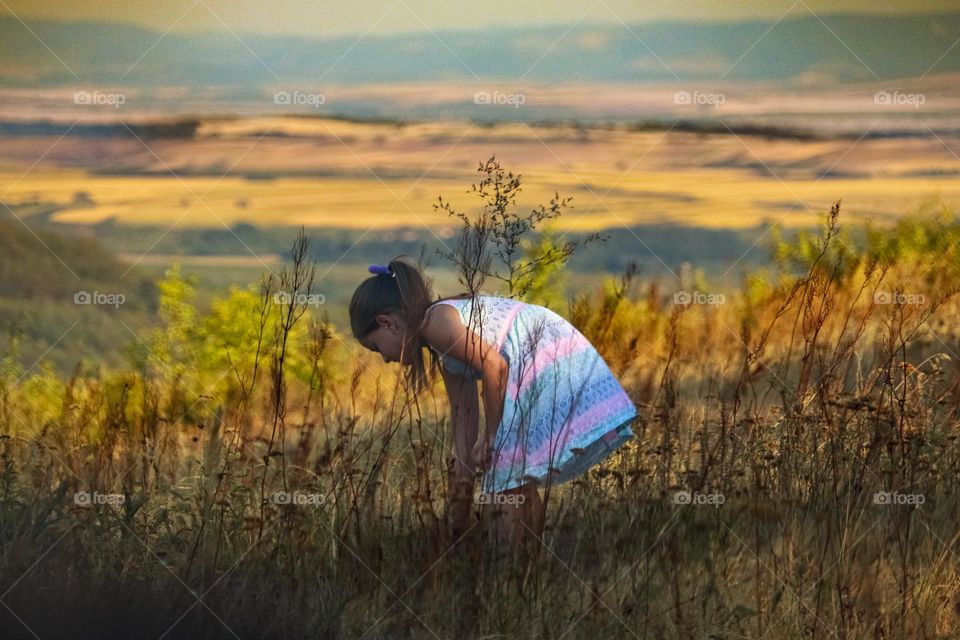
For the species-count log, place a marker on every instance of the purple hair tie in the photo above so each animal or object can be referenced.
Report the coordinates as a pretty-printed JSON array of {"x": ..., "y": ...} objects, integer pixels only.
[{"x": 382, "y": 269}]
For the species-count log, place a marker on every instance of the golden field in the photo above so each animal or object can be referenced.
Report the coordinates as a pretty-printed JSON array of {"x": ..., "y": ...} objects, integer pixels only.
[{"x": 332, "y": 173}]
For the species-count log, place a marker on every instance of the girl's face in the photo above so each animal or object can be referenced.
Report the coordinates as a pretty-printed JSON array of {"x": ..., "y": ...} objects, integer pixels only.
[{"x": 387, "y": 339}]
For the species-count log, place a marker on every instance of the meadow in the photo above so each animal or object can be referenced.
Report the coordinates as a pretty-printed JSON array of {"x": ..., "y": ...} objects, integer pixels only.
[
  {"x": 256, "y": 474},
  {"x": 749, "y": 211}
]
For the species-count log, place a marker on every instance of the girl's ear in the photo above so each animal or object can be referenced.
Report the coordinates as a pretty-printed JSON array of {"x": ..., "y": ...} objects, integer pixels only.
[{"x": 383, "y": 320}]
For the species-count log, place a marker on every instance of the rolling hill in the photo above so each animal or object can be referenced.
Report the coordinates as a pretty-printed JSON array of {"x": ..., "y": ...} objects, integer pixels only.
[{"x": 825, "y": 48}]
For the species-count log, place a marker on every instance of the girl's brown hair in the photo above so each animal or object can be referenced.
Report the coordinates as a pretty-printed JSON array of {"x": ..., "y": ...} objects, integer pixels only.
[{"x": 408, "y": 294}]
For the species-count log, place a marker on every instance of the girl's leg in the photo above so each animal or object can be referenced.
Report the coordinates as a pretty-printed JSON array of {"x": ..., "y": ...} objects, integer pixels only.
[
  {"x": 460, "y": 484},
  {"x": 519, "y": 517},
  {"x": 535, "y": 513}
]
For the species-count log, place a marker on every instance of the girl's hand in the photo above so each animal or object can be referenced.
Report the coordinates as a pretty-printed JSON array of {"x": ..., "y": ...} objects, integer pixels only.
[{"x": 482, "y": 453}]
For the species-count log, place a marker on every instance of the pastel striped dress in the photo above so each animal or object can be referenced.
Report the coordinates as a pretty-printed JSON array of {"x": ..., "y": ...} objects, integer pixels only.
[{"x": 564, "y": 411}]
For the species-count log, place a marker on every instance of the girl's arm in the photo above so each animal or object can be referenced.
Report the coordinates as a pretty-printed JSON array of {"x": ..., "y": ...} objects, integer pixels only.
[
  {"x": 447, "y": 334},
  {"x": 465, "y": 418}
]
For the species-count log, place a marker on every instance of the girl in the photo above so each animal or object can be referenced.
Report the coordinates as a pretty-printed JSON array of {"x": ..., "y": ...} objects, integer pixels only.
[{"x": 552, "y": 408}]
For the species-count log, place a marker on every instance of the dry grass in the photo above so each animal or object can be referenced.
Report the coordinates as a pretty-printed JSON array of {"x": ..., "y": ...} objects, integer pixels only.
[{"x": 797, "y": 399}]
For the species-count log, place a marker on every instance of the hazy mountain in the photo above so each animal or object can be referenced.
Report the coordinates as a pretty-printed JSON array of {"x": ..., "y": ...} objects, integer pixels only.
[{"x": 842, "y": 47}]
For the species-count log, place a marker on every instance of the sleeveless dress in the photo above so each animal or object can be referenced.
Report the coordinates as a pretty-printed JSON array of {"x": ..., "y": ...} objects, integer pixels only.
[{"x": 564, "y": 411}]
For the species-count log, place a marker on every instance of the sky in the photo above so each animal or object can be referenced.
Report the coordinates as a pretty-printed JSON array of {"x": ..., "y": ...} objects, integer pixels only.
[{"x": 343, "y": 18}]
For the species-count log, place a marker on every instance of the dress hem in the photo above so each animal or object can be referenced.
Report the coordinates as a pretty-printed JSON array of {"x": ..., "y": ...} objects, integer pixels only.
[{"x": 595, "y": 451}]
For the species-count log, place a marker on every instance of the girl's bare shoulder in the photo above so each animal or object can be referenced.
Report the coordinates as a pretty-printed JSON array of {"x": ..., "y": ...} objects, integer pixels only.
[
  {"x": 440, "y": 321},
  {"x": 446, "y": 334}
]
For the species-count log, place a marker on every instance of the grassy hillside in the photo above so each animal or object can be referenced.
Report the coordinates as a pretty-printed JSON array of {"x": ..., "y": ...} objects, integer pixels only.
[
  {"x": 792, "y": 473},
  {"x": 60, "y": 298}
]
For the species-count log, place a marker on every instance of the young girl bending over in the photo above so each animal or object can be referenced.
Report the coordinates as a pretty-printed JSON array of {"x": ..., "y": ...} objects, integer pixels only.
[{"x": 552, "y": 408}]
